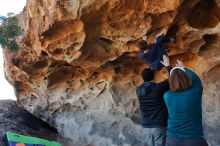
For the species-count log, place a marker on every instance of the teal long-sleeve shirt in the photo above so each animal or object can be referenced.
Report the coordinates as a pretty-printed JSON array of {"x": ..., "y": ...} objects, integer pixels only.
[{"x": 185, "y": 110}]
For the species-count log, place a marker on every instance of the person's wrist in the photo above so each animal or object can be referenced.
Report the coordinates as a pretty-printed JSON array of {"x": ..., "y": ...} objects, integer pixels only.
[{"x": 167, "y": 65}]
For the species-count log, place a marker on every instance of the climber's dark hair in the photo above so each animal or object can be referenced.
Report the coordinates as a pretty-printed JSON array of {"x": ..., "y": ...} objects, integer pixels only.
[
  {"x": 147, "y": 74},
  {"x": 142, "y": 45}
]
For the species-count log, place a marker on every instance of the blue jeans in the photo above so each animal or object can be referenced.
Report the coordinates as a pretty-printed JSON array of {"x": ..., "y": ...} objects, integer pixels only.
[
  {"x": 155, "y": 136},
  {"x": 171, "y": 141}
]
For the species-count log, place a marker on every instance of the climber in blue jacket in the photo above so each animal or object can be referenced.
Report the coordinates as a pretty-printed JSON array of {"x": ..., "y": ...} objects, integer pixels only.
[{"x": 153, "y": 54}]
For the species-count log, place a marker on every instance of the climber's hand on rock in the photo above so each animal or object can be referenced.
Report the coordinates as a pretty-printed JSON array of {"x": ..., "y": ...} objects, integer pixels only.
[
  {"x": 166, "y": 61},
  {"x": 180, "y": 64}
]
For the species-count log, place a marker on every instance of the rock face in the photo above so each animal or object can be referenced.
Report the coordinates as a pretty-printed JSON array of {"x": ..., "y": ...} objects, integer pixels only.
[
  {"x": 78, "y": 67},
  {"x": 15, "y": 119}
]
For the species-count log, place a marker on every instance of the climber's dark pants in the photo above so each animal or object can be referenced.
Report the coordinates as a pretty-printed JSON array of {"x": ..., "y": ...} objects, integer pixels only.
[{"x": 171, "y": 141}]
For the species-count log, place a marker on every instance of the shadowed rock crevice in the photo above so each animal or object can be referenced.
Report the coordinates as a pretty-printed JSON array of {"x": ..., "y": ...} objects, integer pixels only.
[
  {"x": 211, "y": 38},
  {"x": 61, "y": 28},
  {"x": 206, "y": 13},
  {"x": 15, "y": 119}
]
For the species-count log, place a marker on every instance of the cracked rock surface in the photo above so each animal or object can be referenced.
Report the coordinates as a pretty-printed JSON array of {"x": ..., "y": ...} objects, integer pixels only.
[
  {"x": 79, "y": 66},
  {"x": 17, "y": 120}
]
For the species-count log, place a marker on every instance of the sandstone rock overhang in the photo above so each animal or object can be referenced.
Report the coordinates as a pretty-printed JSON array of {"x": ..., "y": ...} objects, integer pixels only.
[{"x": 79, "y": 66}]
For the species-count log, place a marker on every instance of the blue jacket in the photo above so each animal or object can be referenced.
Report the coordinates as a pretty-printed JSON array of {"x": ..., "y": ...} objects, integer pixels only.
[
  {"x": 152, "y": 107},
  {"x": 155, "y": 53},
  {"x": 185, "y": 110}
]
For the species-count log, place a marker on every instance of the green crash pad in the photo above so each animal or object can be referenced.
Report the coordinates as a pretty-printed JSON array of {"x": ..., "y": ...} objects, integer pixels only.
[{"x": 13, "y": 139}]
